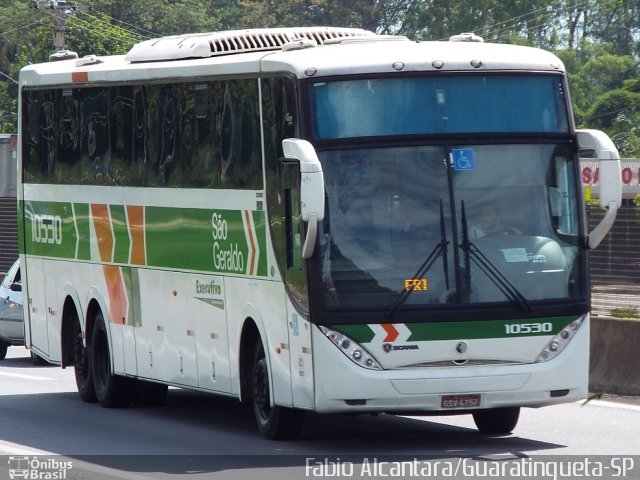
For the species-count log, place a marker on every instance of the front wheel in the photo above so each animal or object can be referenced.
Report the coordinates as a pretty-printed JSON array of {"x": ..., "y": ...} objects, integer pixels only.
[
  {"x": 497, "y": 421},
  {"x": 274, "y": 422},
  {"x": 111, "y": 390}
]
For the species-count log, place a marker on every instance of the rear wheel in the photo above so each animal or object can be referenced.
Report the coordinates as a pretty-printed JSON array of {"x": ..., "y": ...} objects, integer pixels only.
[
  {"x": 82, "y": 368},
  {"x": 274, "y": 422},
  {"x": 497, "y": 421},
  {"x": 111, "y": 390},
  {"x": 3, "y": 349}
]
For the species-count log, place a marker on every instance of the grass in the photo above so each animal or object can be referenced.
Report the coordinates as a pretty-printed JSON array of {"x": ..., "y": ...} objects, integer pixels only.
[{"x": 625, "y": 312}]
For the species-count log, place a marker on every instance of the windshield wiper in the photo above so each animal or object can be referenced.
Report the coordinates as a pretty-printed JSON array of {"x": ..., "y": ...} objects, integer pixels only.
[
  {"x": 472, "y": 252},
  {"x": 440, "y": 250}
]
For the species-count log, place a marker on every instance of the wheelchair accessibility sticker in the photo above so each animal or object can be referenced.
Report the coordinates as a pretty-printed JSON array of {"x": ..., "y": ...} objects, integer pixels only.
[{"x": 463, "y": 159}]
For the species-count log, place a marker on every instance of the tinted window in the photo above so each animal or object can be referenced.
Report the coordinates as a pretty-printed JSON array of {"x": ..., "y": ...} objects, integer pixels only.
[
  {"x": 438, "y": 105},
  {"x": 190, "y": 135}
]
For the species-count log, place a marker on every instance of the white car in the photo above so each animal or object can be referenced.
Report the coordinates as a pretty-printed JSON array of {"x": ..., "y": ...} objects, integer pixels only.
[{"x": 11, "y": 317}]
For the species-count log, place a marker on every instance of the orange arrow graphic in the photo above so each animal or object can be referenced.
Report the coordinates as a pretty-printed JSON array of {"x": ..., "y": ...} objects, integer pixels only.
[{"x": 392, "y": 333}]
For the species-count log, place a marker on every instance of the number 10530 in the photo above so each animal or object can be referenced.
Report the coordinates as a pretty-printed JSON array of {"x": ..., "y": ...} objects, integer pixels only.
[{"x": 525, "y": 328}]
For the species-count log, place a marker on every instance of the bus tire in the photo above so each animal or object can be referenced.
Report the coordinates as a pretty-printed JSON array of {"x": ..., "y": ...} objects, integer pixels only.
[
  {"x": 274, "y": 422},
  {"x": 82, "y": 368},
  {"x": 111, "y": 390},
  {"x": 497, "y": 421}
]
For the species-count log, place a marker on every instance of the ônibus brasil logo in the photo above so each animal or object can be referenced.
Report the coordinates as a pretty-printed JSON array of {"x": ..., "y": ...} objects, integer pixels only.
[{"x": 34, "y": 468}]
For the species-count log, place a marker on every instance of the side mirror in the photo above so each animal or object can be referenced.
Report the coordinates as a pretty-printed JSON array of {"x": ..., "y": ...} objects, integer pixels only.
[
  {"x": 15, "y": 287},
  {"x": 610, "y": 179},
  {"x": 311, "y": 188}
]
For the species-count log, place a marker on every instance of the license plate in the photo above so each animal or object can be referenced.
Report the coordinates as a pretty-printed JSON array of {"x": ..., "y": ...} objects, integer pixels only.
[{"x": 460, "y": 401}]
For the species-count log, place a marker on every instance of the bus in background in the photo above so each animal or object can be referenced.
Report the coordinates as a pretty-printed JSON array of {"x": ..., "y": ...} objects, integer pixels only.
[
  {"x": 299, "y": 218},
  {"x": 8, "y": 219}
]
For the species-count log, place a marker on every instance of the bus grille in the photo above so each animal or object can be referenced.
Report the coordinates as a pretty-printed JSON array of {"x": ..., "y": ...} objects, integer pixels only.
[
  {"x": 241, "y": 41},
  {"x": 202, "y": 45},
  {"x": 465, "y": 363}
]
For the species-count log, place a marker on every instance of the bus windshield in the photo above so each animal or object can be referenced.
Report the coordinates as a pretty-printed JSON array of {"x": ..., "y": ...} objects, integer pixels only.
[
  {"x": 493, "y": 220},
  {"x": 439, "y": 105}
]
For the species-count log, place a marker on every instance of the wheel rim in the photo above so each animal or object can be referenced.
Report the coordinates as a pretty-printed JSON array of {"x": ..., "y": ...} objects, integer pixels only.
[
  {"x": 80, "y": 360},
  {"x": 261, "y": 396}
]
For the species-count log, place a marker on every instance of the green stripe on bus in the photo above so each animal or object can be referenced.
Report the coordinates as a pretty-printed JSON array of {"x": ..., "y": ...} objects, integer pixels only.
[
  {"x": 260, "y": 223},
  {"x": 469, "y": 330},
  {"x": 49, "y": 229},
  {"x": 186, "y": 238},
  {"x": 359, "y": 333},
  {"x": 132, "y": 285},
  {"x": 84, "y": 231},
  {"x": 120, "y": 234},
  {"x": 202, "y": 240},
  {"x": 421, "y": 332}
]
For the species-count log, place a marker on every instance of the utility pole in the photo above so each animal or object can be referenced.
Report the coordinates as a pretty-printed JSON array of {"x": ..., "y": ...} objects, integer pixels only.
[{"x": 62, "y": 10}]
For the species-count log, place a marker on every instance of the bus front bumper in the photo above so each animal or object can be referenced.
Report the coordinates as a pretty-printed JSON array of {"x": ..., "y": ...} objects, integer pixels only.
[{"x": 341, "y": 386}]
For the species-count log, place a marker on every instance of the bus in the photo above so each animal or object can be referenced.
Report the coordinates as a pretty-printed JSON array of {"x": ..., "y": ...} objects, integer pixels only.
[
  {"x": 297, "y": 218},
  {"x": 8, "y": 224}
]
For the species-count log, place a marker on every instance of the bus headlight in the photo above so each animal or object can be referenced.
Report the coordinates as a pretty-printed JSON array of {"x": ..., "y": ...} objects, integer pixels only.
[
  {"x": 351, "y": 349},
  {"x": 559, "y": 342}
]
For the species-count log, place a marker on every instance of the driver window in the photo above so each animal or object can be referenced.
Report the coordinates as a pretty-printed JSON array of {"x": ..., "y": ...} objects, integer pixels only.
[{"x": 561, "y": 192}]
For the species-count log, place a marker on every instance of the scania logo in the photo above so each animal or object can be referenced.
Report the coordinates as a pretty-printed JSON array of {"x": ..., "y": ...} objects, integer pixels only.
[{"x": 387, "y": 347}]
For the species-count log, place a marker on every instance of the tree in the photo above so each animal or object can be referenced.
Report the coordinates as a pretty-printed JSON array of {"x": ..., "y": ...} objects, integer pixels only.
[{"x": 593, "y": 70}]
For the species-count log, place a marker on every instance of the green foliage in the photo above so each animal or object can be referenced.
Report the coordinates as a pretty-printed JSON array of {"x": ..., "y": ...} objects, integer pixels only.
[
  {"x": 625, "y": 133},
  {"x": 624, "y": 312},
  {"x": 610, "y": 105},
  {"x": 95, "y": 35}
]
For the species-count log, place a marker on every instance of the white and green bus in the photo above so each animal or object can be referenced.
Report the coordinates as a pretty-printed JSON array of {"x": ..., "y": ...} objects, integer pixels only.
[{"x": 297, "y": 218}]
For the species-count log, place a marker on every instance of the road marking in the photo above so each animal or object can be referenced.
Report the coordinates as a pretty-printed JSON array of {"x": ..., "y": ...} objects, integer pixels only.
[
  {"x": 24, "y": 377},
  {"x": 8, "y": 448}
]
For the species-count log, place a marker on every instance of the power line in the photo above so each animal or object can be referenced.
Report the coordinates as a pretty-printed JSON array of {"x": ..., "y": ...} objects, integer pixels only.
[
  {"x": 540, "y": 17},
  {"x": 113, "y": 26},
  {"x": 152, "y": 33},
  {"x": 537, "y": 15},
  {"x": 10, "y": 78},
  {"x": 539, "y": 12},
  {"x": 22, "y": 27}
]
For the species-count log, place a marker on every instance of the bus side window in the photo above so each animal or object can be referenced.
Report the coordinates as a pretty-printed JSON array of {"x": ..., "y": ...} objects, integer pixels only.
[
  {"x": 293, "y": 233},
  {"x": 294, "y": 271},
  {"x": 283, "y": 184}
]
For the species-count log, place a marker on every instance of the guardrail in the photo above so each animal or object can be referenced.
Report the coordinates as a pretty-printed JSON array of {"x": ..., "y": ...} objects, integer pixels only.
[{"x": 615, "y": 357}]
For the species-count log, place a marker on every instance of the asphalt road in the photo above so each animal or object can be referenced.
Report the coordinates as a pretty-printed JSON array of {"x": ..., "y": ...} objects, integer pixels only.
[{"x": 202, "y": 436}]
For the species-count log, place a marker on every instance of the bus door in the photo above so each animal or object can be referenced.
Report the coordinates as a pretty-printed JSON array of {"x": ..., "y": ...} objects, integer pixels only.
[
  {"x": 296, "y": 284},
  {"x": 37, "y": 305}
]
